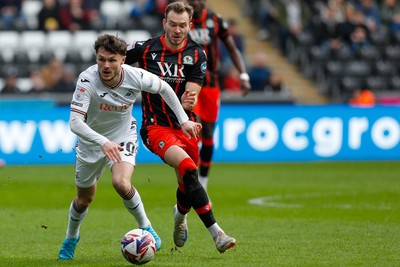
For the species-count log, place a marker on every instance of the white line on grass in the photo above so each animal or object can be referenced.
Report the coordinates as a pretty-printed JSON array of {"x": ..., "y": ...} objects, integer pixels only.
[{"x": 276, "y": 201}]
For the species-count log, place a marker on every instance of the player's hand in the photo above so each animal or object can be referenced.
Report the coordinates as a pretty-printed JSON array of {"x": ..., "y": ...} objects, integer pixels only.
[
  {"x": 245, "y": 87},
  {"x": 189, "y": 100},
  {"x": 111, "y": 150},
  {"x": 191, "y": 129}
]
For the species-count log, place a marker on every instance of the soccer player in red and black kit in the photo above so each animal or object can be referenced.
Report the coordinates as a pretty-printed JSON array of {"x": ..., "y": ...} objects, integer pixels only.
[
  {"x": 182, "y": 63},
  {"x": 207, "y": 28}
]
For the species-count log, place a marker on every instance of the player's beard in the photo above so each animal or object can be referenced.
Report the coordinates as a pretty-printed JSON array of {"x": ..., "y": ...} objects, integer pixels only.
[
  {"x": 175, "y": 41},
  {"x": 111, "y": 76}
]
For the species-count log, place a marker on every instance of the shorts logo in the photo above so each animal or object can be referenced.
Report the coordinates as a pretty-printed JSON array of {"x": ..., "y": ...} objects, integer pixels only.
[
  {"x": 161, "y": 144},
  {"x": 188, "y": 60},
  {"x": 204, "y": 67}
]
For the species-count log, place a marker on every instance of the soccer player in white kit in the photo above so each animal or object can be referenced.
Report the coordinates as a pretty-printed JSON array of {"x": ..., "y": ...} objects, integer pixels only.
[{"x": 101, "y": 117}]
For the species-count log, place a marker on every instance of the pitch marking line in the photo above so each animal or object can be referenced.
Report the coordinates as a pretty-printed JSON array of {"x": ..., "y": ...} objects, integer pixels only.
[{"x": 276, "y": 201}]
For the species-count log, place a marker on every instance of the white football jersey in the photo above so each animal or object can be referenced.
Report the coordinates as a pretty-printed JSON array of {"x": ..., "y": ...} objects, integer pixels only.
[{"x": 108, "y": 111}]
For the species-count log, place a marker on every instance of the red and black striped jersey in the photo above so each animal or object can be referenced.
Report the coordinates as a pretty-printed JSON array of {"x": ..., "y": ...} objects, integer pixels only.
[
  {"x": 206, "y": 31},
  {"x": 188, "y": 64}
]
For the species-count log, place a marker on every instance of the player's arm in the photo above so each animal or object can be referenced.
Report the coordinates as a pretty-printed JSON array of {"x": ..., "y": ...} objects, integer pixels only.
[
  {"x": 77, "y": 121},
  {"x": 153, "y": 84},
  {"x": 238, "y": 62},
  {"x": 189, "y": 97}
]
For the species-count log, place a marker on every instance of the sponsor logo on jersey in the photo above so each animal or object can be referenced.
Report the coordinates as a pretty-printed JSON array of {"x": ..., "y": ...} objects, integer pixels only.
[
  {"x": 210, "y": 23},
  {"x": 76, "y": 104},
  {"x": 204, "y": 67},
  {"x": 108, "y": 107},
  {"x": 188, "y": 60},
  {"x": 85, "y": 81},
  {"x": 161, "y": 144},
  {"x": 78, "y": 97},
  {"x": 103, "y": 95},
  {"x": 153, "y": 55},
  {"x": 200, "y": 36},
  {"x": 171, "y": 70}
]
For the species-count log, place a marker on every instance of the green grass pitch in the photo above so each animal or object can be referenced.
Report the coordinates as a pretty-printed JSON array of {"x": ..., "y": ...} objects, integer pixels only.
[{"x": 282, "y": 214}]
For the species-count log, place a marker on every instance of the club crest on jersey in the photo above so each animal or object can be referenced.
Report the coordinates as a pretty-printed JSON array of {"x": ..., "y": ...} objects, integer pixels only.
[
  {"x": 161, "y": 144},
  {"x": 210, "y": 23},
  {"x": 188, "y": 60},
  {"x": 204, "y": 67}
]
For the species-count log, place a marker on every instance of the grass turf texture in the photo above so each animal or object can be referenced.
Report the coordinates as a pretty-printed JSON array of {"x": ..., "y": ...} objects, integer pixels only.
[{"x": 307, "y": 214}]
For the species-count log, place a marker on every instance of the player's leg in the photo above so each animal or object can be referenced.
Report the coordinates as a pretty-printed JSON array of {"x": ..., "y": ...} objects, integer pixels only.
[
  {"x": 209, "y": 102},
  {"x": 122, "y": 183},
  {"x": 192, "y": 193},
  {"x": 85, "y": 178},
  {"x": 206, "y": 151}
]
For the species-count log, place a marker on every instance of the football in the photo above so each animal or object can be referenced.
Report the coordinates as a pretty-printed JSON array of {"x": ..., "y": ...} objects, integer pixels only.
[{"x": 138, "y": 246}]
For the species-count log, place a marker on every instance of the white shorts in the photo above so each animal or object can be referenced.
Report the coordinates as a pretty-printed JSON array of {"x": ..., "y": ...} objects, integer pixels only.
[{"x": 90, "y": 163}]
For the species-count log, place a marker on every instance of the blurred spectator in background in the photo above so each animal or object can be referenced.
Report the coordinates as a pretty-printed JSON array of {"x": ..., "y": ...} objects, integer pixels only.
[
  {"x": 362, "y": 97},
  {"x": 354, "y": 19},
  {"x": 231, "y": 82},
  {"x": 143, "y": 16},
  {"x": 359, "y": 40},
  {"x": 68, "y": 80},
  {"x": 48, "y": 16},
  {"x": 370, "y": 10},
  {"x": 324, "y": 29},
  {"x": 11, "y": 17},
  {"x": 390, "y": 16},
  {"x": 74, "y": 16},
  {"x": 388, "y": 10},
  {"x": 53, "y": 73},
  {"x": 38, "y": 84},
  {"x": 10, "y": 82},
  {"x": 97, "y": 20},
  {"x": 292, "y": 18},
  {"x": 263, "y": 79}
]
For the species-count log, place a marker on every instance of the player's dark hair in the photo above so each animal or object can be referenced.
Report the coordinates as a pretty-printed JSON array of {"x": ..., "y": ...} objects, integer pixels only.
[
  {"x": 111, "y": 43},
  {"x": 179, "y": 7}
]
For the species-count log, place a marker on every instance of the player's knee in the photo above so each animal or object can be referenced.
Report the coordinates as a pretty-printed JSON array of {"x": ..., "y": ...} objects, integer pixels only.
[
  {"x": 186, "y": 165},
  {"x": 82, "y": 203},
  {"x": 122, "y": 186}
]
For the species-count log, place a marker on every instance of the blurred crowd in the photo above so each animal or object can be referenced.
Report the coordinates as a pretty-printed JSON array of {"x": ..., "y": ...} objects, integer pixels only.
[
  {"x": 354, "y": 41},
  {"x": 322, "y": 37},
  {"x": 55, "y": 71}
]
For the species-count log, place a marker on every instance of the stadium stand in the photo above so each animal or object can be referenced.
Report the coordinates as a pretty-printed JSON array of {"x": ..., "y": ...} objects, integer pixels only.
[{"x": 311, "y": 73}]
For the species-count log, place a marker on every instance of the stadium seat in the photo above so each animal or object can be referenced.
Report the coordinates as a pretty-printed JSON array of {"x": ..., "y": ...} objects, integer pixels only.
[
  {"x": 137, "y": 35},
  {"x": 118, "y": 33},
  {"x": 369, "y": 54},
  {"x": 112, "y": 11},
  {"x": 377, "y": 83},
  {"x": 59, "y": 43},
  {"x": 31, "y": 9},
  {"x": 24, "y": 84},
  {"x": 33, "y": 44},
  {"x": 9, "y": 45},
  {"x": 83, "y": 41}
]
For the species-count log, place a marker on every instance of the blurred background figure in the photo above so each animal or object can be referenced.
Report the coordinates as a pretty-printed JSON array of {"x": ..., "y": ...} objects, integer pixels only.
[
  {"x": 231, "y": 82},
  {"x": 53, "y": 73},
  {"x": 11, "y": 17},
  {"x": 74, "y": 16},
  {"x": 263, "y": 79},
  {"x": 48, "y": 16},
  {"x": 10, "y": 82},
  {"x": 362, "y": 97}
]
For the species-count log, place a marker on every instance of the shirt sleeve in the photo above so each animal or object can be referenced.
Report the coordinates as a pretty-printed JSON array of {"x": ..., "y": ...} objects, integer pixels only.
[
  {"x": 198, "y": 73},
  {"x": 79, "y": 107},
  {"x": 133, "y": 52}
]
